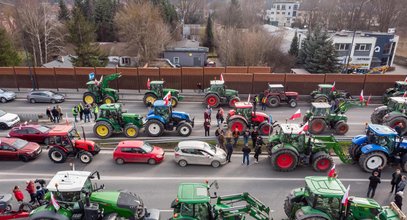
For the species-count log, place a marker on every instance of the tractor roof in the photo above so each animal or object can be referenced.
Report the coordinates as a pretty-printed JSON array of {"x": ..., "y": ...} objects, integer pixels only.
[
  {"x": 160, "y": 103},
  {"x": 243, "y": 105},
  {"x": 113, "y": 106},
  {"x": 60, "y": 130},
  {"x": 91, "y": 82},
  {"x": 325, "y": 186},
  {"x": 193, "y": 193},
  {"x": 68, "y": 181},
  {"x": 290, "y": 128},
  {"x": 157, "y": 82},
  {"x": 325, "y": 85},
  {"x": 320, "y": 105},
  {"x": 400, "y": 100},
  {"x": 402, "y": 82},
  {"x": 382, "y": 130},
  {"x": 217, "y": 82},
  {"x": 272, "y": 86}
]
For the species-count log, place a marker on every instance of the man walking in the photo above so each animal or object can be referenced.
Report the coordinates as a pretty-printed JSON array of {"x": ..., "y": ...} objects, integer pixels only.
[
  {"x": 49, "y": 114},
  {"x": 257, "y": 149},
  {"x": 75, "y": 112},
  {"x": 95, "y": 110},
  {"x": 255, "y": 134},
  {"x": 80, "y": 110},
  {"x": 395, "y": 180},
  {"x": 235, "y": 135},
  {"x": 207, "y": 126},
  {"x": 374, "y": 180},
  {"x": 229, "y": 150},
  {"x": 402, "y": 184},
  {"x": 221, "y": 140},
  {"x": 31, "y": 190},
  {"x": 246, "y": 136},
  {"x": 55, "y": 115},
  {"x": 255, "y": 101},
  {"x": 263, "y": 103},
  {"x": 86, "y": 111},
  {"x": 246, "y": 152},
  {"x": 228, "y": 135},
  {"x": 219, "y": 117}
]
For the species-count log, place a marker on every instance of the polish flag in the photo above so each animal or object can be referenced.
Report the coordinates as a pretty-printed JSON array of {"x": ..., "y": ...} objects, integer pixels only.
[
  {"x": 405, "y": 80},
  {"x": 296, "y": 115},
  {"x": 346, "y": 197},
  {"x": 167, "y": 98},
  {"x": 304, "y": 128},
  {"x": 66, "y": 119},
  {"x": 405, "y": 94},
  {"x": 333, "y": 87},
  {"x": 332, "y": 171},
  {"x": 368, "y": 100},
  {"x": 248, "y": 98},
  {"x": 221, "y": 77},
  {"x": 148, "y": 83},
  {"x": 361, "y": 97},
  {"x": 54, "y": 202}
]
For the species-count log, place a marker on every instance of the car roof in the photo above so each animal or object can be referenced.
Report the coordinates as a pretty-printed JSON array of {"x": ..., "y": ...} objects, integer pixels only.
[
  {"x": 68, "y": 181},
  {"x": 41, "y": 91},
  {"x": 28, "y": 126},
  {"x": 325, "y": 186},
  {"x": 193, "y": 193},
  {"x": 382, "y": 130},
  {"x": 401, "y": 100},
  {"x": 276, "y": 85},
  {"x": 160, "y": 103},
  {"x": 290, "y": 128},
  {"x": 325, "y": 85},
  {"x": 60, "y": 130},
  {"x": 243, "y": 105},
  {"x": 401, "y": 82},
  {"x": 130, "y": 144},
  {"x": 217, "y": 82},
  {"x": 191, "y": 144},
  {"x": 9, "y": 141},
  {"x": 321, "y": 105}
]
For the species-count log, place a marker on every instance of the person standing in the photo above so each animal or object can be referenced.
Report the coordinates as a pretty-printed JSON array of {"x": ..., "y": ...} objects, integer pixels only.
[
  {"x": 219, "y": 117},
  {"x": 246, "y": 136},
  {"x": 95, "y": 110},
  {"x": 31, "y": 190},
  {"x": 217, "y": 131},
  {"x": 398, "y": 199},
  {"x": 18, "y": 194},
  {"x": 222, "y": 112},
  {"x": 40, "y": 194},
  {"x": 206, "y": 115},
  {"x": 49, "y": 114},
  {"x": 221, "y": 140},
  {"x": 246, "y": 152},
  {"x": 395, "y": 180},
  {"x": 228, "y": 135},
  {"x": 402, "y": 184},
  {"x": 55, "y": 115},
  {"x": 257, "y": 149},
  {"x": 255, "y": 101},
  {"x": 264, "y": 103},
  {"x": 59, "y": 109},
  {"x": 209, "y": 109},
  {"x": 86, "y": 112},
  {"x": 374, "y": 180},
  {"x": 235, "y": 135},
  {"x": 80, "y": 110},
  {"x": 379, "y": 171},
  {"x": 255, "y": 134},
  {"x": 207, "y": 126},
  {"x": 229, "y": 150},
  {"x": 75, "y": 112}
]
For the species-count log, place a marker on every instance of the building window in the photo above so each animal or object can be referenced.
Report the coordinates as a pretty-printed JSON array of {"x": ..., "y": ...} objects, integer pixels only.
[
  {"x": 283, "y": 7},
  {"x": 342, "y": 47},
  {"x": 294, "y": 13},
  {"x": 176, "y": 60},
  {"x": 295, "y": 7},
  {"x": 288, "y": 19},
  {"x": 126, "y": 61},
  {"x": 288, "y": 13},
  {"x": 278, "y": 7},
  {"x": 363, "y": 47},
  {"x": 272, "y": 12},
  {"x": 278, "y": 13},
  {"x": 299, "y": 14},
  {"x": 283, "y": 12},
  {"x": 386, "y": 49},
  {"x": 289, "y": 7}
]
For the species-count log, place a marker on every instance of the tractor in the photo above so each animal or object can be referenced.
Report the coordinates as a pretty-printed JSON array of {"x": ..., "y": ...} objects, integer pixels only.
[
  {"x": 321, "y": 199},
  {"x": 275, "y": 94},
  {"x": 400, "y": 87},
  {"x": 157, "y": 92},
  {"x": 65, "y": 141},
  {"x": 380, "y": 145},
  {"x": 100, "y": 92},
  {"x": 291, "y": 147},
  {"x": 217, "y": 94},
  {"x": 242, "y": 117},
  {"x": 112, "y": 119},
  {"x": 161, "y": 117},
  {"x": 322, "y": 116},
  {"x": 79, "y": 199},
  {"x": 193, "y": 202},
  {"x": 327, "y": 93},
  {"x": 392, "y": 114}
]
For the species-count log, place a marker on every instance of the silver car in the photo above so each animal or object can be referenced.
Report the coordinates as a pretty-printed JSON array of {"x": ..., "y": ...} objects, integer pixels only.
[
  {"x": 45, "y": 96},
  {"x": 6, "y": 96},
  {"x": 200, "y": 153}
]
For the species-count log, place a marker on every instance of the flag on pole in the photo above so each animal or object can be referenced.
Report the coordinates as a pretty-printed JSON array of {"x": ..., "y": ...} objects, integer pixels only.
[
  {"x": 361, "y": 97},
  {"x": 332, "y": 171},
  {"x": 405, "y": 94},
  {"x": 221, "y": 77},
  {"x": 248, "y": 98},
  {"x": 54, "y": 202},
  {"x": 368, "y": 100},
  {"x": 333, "y": 87},
  {"x": 167, "y": 98},
  {"x": 345, "y": 197},
  {"x": 304, "y": 128},
  {"x": 296, "y": 115},
  {"x": 66, "y": 119},
  {"x": 405, "y": 80},
  {"x": 148, "y": 83}
]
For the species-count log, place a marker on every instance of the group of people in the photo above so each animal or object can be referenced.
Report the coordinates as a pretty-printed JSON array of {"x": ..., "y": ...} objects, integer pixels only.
[
  {"x": 208, "y": 118},
  {"x": 85, "y": 112},
  {"x": 54, "y": 114},
  {"x": 36, "y": 193}
]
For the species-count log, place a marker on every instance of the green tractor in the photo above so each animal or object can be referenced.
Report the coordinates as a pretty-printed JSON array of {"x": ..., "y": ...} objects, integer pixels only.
[
  {"x": 327, "y": 93},
  {"x": 100, "y": 92},
  {"x": 322, "y": 116},
  {"x": 321, "y": 199},
  {"x": 112, "y": 119},
  {"x": 289, "y": 148},
  {"x": 217, "y": 94},
  {"x": 400, "y": 87},
  {"x": 78, "y": 198},
  {"x": 157, "y": 92},
  {"x": 392, "y": 114},
  {"x": 193, "y": 202}
]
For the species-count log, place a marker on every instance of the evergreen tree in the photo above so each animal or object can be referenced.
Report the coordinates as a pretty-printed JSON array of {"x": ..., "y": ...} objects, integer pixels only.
[
  {"x": 168, "y": 12},
  {"x": 294, "y": 46},
  {"x": 234, "y": 19},
  {"x": 82, "y": 36},
  {"x": 8, "y": 55},
  {"x": 209, "y": 39},
  {"x": 63, "y": 11},
  {"x": 105, "y": 11}
]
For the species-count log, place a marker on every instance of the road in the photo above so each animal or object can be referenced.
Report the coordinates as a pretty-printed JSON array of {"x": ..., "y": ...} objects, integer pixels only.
[
  {"x": 357, "y": 117},
  {"x": 157, "y": 184}
]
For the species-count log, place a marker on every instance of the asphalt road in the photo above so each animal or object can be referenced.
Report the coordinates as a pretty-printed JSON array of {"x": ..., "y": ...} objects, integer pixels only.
[
  {"x": 157, "y": 184},
  {"x": 357, "y": 117}
]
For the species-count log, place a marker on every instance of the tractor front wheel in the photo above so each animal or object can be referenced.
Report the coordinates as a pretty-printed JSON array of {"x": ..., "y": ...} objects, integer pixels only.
[
  {"x": 354, "y": 152},
  {"x": 237, "y": 123},
  {"x": 184, "y": 130},
  {"x": 284, "y": 160},
  {"x": 174, "y": 101},
  {"x": 341, "y": 128},
  {"x": 317, "y": 126},
  {"x": 233, "y": 101},
  {"x": 57, "y": 155},
  {"x": 212, "y": 100},
  {"x": 89, "y": 98},
  {"x": 273, "y": 101},
  {"x": 85, "y": 157},
  {"x": 369, "y": 162},
  {"x": 293, "y": 103},
  {"x": 149, "y": 99},
  {"x": 102, "y": 129},
  {"x": 131, "y": 131},
  {"x": 322, "y": 162},
  {"x": 154, "y": 128},
  {"x": 300, "y": 215},
  {"x": 108, "y": 100},
  {"x": 393, "y": 122},
  {"x": 265, "y": 128}
]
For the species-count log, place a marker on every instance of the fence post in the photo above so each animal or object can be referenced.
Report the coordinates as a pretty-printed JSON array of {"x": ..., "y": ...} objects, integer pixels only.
[
  {"x": 15, "y": 78},
  {"x": 138, "y": 80},
  {"x": 251, "y": 90},
  {"x": 55, "y": 78},
  {"x": 364, "y": 82},
  {"x": 76, "y": 79},
  {"x": 181, "y": 77}
]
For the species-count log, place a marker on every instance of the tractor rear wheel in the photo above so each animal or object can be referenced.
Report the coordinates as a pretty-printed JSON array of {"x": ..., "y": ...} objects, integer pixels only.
[
  {"x": 354, "y": 152},
  {"x": 85, "y": 157},
  {"x": 341, "y": 128},
  {"x": 284, "y": 160},
  {"x": 48, "y": 215},
  {"x": 154, "y": 128},
  {"x": 393, "y": 122},
  {"x": 265, "y": 128},
  {"x": 102, "y": 129},
  {"x": 212, "y": 100},
  {"x": 149, "y": 99},
  {"x": 174, "y": 101},
  {"x": 131, "y": 131},
  {"x": 233, "y": 101},
  {"x": 89, "y": 98},
  {"x": 184, "y": 130},
  {"x": 321, "y": 99},
  {"x": 293, "y": 103},
  {"x": 108, "y": 99},
  {"x": 299, "y": 215},
  {"x": 317, "y": 126},
  {"x": 57, "y": 155},
  {"x": 369, "y": 162},
  {"x": 322, "y": 162},
  {"x": 237, "y": 123},
  {"x": 273, "y": 101}
]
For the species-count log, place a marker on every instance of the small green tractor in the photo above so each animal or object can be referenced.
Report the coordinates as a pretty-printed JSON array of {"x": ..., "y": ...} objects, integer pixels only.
[
  {"x": 321, "y": 199},
  {"x": 78, "y": 198},
  {"x": 326, "y": 93},
  {"x": 193, "y": 202},
  {"x": 289, "y": 147},
  {"x": 157, "y": 92},
  {"x": 322, "y": 116},
  {"x": 100, "y": 92},
  {"x": 400, "y": 87},
  {"x": 217, "y": 94},
  {"x": 112, "y": 119},
  {"x": 392, "y": 114}
]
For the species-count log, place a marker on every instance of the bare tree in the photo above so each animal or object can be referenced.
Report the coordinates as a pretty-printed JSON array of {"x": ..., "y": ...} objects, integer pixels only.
[
  {"x": 190, "y": 10},
  {"x": 389, "y": 13}
]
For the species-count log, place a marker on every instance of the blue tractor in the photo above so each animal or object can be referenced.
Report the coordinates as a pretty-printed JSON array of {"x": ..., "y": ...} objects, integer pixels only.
[
  {"x": 162, "y": 118},
  {"x": 380, "y": 145}
]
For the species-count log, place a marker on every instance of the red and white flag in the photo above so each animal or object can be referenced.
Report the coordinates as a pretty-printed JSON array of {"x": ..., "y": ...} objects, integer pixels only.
[
  {"x": 221, "y": 77},
  {"x": 167, "y": 98},
  {"x": 304, "y": 128},
  {"x": 54, "y": 202},
  {"x": 148, "y": 83},
  {"x": 361, "y": 97},
  {"x": 66, "y": 119},
  {"x": 248, "y": 98},
  {"x": 345, "y": 197},
  {"x": 296, "y": 115},
  {"x": 405, "y": 80},
  {"x": 405, "y": 94},
  {"x": 368, "y": 100},
  {"x": 333, "y": 87},
  {"x": 332, "y": 171}
]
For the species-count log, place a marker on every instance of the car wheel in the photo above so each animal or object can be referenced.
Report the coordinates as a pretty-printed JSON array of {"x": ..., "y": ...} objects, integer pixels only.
[
  {"x": 182, "y": 163},
  {"x": 151, "y": 161},
  {"x": 32, "y": 100},
  {"x": 53, "y": 101},
  {"x": 215, "y": 164},
  {"x": 3, "y": 100},
  {"x": 24, "y": 158},
  {"x": 3, "y": 126},
  {"x": 119, "y": 161}
]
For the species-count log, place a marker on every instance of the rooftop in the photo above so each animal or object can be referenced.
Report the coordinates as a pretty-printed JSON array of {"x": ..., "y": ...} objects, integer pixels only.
[
  {"x": 193, "y": 193},
  {"x": 325, "y": 186},
  {"x": 276, "y": 86},
  {"x": 60, "y": 130},
  {"x": 159, "y": 103},
  {"x": 320, "y": 105},
  {"x": 112, "y": 106},
  {"x": 382, "y": 130},
  {"x": 186, "y": 45},
  {"x": 401, "y": 82},
  {"x": 400, "y": 100},
  {"x": 290, "y": 128},
  {"x": 195, "y": 144},
  {"x": 217, "y": 82},
  {"x": 243, "y": 105},
  {"x": 68, "y": 181},
  {"x": 325, "y": 85}
]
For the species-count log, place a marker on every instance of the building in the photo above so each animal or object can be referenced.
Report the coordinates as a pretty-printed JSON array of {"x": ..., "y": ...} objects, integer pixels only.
[
  {"x": 282, "y": 13},
  {"x": 186, "y": 53}
]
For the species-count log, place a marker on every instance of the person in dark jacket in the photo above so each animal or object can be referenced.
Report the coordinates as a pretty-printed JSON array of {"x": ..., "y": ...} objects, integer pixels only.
[
  {"x": 254, "y": 135},
  {"x": 379, "y": 171},
  {"x": 49, "y": 114},
  {"x": 398, "y": 199},
  {"x": 31, "y": 190},
  {"x": 229, "y": 149},
  {"x": 374, "y": 181},
  {"x": 246, "y": 136},
  {"x": 257, "y": 149},
  {"x": 55, "y": 114},
  {"x": 246, "y": 152},
  {"x": 221, "y": 140},
  {"x": 402, "y": 184},
  {"x": 207, "y": 126},
  {"x": 86, "y": 112},
  {"x": 395, "y": 180},
  {"x": 219, "y": 117}
]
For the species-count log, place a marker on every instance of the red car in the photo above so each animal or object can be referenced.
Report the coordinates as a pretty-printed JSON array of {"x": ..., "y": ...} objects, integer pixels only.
[
  {"x": 137, "y": 151},
  {"x": 17, "y": 149},
  {"x": 30, "y": 132}
]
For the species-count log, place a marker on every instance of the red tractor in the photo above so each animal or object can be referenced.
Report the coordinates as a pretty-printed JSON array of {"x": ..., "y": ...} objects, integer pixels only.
[
  {"x": 65, "y": 142},
  {"x": 275, "y": 94},
  {"x": 243, "y": 117}
]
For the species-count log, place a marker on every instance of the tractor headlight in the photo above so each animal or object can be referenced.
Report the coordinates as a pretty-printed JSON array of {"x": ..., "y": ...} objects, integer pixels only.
[{"x": 299, "y": 214}]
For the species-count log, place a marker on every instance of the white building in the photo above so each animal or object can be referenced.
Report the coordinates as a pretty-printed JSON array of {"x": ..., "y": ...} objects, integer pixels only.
[{"x": 282, "y": 13}]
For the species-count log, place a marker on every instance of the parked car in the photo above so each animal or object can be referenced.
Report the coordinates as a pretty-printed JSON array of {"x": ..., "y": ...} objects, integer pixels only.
[
  {"x": 45, "y": 96},
  {"x": 30, "y": 132},
  {"x": 8, "y": 120},
  {"x": 6, "y": 96},
  {"x": 137, "y": 151},
  {"x": 200, "y": 153},
  {"x": 18, "y": 149}
]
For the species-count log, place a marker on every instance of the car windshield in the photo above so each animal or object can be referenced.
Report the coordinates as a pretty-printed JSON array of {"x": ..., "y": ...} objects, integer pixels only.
[
  {"x": 147, "y": 147},
  {"x": 210, "y": 148},
  {"x": 50, "y": 93},
  {"x": 43, "y": 129},
  {"x": 74, "y": 134},
  {"x": 2, "y": 113},
  {"x": 19, "y": 144}
]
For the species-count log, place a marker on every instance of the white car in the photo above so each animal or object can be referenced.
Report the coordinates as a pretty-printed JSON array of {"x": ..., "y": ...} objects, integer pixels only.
[
  {"x": 200, "y": 153},
  {"x": 6, "y": 96},
  {"x": 8, "y": 120}
]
